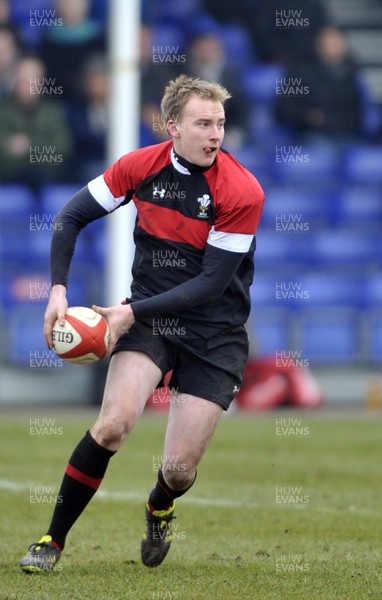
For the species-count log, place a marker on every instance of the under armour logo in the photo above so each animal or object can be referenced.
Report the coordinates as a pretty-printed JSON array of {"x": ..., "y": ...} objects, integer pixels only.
[
  {"x": 236, "y": 389},
  {"x": 161, "y": 193}
]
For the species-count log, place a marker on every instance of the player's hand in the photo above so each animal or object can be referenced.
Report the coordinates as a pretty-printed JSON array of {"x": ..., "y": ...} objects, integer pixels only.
[
  {"x": 120, "y": 318},
  {"x": 56, "y": 309}
]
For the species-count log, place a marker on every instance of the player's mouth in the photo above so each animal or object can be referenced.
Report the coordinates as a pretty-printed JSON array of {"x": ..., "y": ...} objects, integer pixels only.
[{"x": 210, "y": 150}]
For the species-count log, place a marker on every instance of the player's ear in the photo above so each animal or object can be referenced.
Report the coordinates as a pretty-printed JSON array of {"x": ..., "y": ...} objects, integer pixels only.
[{"x": 173, "y": 128}]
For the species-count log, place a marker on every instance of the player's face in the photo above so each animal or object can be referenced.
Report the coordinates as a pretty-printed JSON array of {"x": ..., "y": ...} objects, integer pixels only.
[{"x": 199, "y": 132}]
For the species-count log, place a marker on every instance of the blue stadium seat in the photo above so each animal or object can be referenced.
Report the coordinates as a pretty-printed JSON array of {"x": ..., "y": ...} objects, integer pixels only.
[
  {"x": 325, "y": 288},
  {"x": 372, "y": 290},
  {"x": 270, "y": 330},
  {"x": 17, "y": 201},
  {"x": 374, "y": 336},
  {"x": 24, "y": 335},
  {"x": 363, "y": 164},
  {"x": 305, "y": 163},
  {"x": 314, "y": 205},
  {"x": 359, "y": 205},
  {"x": 278, "y": 246},
  {"x": 237, "y": 44},
  {"x": 343, "y": 246},
  {"x": 31, "y": 288},
  {"x": 39, "y": 243},
  {"x": 14, "y": 241},
  {"x": 171, "y": 41},
  {"x": 173, "y": 11},
  {"x": 254, "y": 160},
  {"x": 263, "y": 291},
  {"x": 259, "y": 82},
  {"x": 53, "y": 196},
  {"x": 329, "y": 336}
]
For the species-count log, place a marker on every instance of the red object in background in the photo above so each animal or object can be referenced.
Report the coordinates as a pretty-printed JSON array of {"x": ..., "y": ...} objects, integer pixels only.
[
  {"x": 266, "y": 386},
  {"x": 160, "y": 398}
]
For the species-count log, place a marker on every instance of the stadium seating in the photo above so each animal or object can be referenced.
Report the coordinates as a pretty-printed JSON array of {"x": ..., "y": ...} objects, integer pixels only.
[
  {"x": 259, "y": 82},
  {"x": 24, "y": 335},
  {"x": 359, "y": 205},
  {"x": 329, "y": 336},
  {"x": 53, "y": 196},
  {"x": 313, "y": 204},
  {"x": 363, "y": 164},
  {"x": 374, "y": 336},
  {"x": 295, "y": 163},
  {"x": 271, "y": 331}
]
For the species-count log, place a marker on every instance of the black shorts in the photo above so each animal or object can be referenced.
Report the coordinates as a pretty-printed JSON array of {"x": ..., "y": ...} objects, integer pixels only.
[{"x": 210, "y": 368}]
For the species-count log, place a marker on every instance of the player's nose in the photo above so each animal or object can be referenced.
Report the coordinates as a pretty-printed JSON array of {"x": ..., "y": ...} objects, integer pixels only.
[{"x": 215, "y": 133}]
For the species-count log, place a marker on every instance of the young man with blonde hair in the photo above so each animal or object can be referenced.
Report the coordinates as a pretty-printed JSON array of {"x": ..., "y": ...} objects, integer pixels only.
[{"x": 194, "y": 202}]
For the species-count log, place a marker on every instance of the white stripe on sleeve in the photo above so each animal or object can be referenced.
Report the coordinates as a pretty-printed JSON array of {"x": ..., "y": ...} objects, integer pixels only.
[
  {"x": 100, "y": 192},
  {"x": 234, "y": 242}
]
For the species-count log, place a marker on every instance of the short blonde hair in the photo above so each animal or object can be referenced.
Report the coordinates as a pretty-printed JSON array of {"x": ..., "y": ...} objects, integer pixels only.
[{"x": 179, "y": 90}]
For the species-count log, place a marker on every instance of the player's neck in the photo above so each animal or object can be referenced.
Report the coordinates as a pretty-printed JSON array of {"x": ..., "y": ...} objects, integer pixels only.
[{"x": 189, "y": 166}]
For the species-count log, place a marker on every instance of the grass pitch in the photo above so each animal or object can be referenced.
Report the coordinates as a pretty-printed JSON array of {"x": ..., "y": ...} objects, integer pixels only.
[{"x": 286, "y": 506}]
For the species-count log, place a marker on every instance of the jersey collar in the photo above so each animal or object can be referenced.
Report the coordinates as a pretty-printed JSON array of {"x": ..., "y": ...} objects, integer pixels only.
[{"x": 182, "y": 165}]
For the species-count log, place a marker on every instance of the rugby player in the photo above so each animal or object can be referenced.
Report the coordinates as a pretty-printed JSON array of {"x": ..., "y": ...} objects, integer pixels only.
[{"x": 197, "y": 203}]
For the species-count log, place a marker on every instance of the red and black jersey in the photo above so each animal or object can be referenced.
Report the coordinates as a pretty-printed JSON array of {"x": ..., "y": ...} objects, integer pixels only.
[{"x": 182, "y": 208}]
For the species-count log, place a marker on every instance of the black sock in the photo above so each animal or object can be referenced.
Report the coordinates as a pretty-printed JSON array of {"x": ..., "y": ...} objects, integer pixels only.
[
  {"x": 83, "y": 476},
  {"x": 162, "y": 496}
]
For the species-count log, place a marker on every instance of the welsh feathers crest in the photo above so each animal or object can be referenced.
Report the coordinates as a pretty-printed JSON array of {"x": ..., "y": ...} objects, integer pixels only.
[{"x": 204, "y": 203}]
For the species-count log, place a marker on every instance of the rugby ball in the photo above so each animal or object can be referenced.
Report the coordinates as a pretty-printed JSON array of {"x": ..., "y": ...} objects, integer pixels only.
[{"x": 84, "y": 338}]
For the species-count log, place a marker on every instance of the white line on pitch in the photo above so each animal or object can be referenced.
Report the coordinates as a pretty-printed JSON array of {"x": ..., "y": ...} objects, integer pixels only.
[{"x": 13, "y": 486}]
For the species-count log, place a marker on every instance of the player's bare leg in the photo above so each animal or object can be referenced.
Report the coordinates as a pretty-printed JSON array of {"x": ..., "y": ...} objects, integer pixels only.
[
  {"x": 191, "y": 424},
  {"x": 132, "y": 376}
]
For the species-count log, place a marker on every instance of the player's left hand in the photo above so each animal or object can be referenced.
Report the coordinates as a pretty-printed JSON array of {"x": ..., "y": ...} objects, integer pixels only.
[{"x": 120, "y": 318}]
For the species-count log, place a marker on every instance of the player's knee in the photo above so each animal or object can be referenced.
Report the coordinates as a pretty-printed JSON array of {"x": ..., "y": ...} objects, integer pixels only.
[
  {"x": 111, "y": 433},
  {"x": 178, "y": 476}
]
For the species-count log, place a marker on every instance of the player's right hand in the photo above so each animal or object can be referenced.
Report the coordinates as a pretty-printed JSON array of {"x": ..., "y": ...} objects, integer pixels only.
[{"x": 56, "y": 309}]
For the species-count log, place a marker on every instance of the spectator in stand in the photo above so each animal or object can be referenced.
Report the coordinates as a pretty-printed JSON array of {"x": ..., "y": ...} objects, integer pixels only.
[
  {"x": 206, "y": 58},
  {"x": 10, "y": 49},
  {"x": 153, "y": 78},
  {"x": 283, "y": 32},
  {"x": 332, "y": 104},
  {"x": 34, "y": 139},
  {"x": 5, "y": 12},
  {"x": 65, "y": 48},
  {"x": 88, "y": 118}
]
